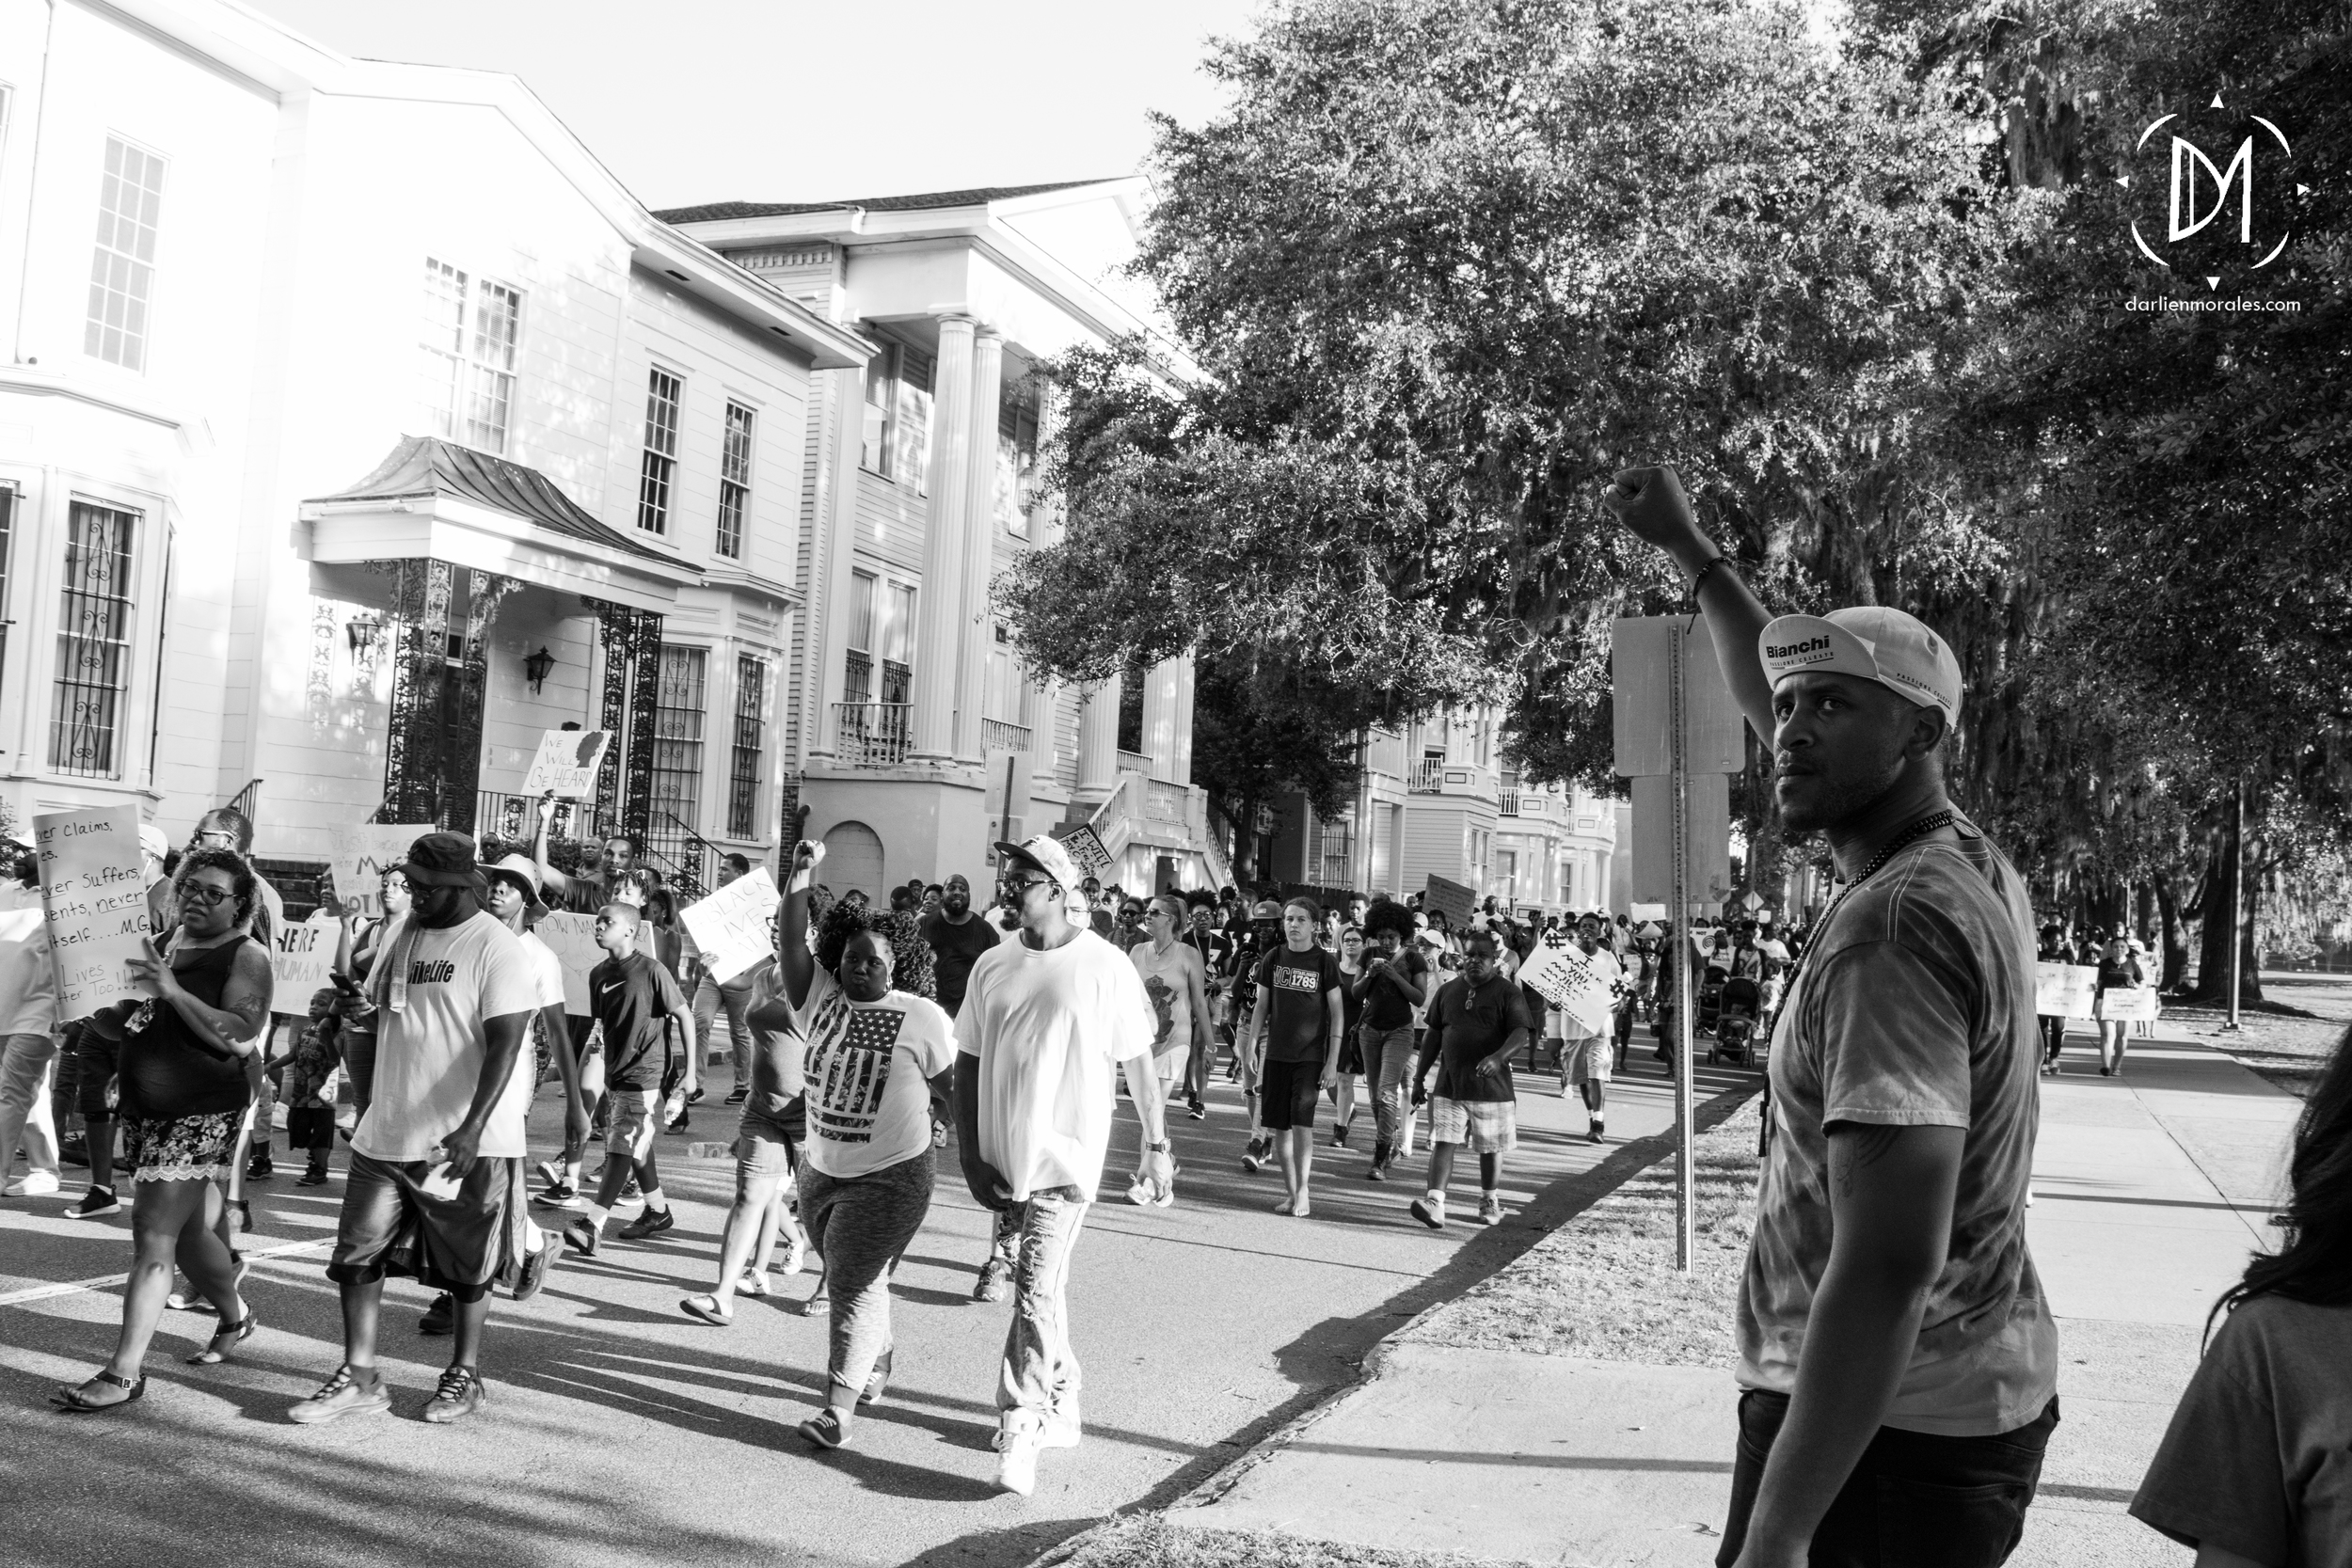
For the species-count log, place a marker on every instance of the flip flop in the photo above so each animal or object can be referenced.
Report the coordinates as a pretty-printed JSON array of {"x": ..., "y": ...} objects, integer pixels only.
[
  {"x": 706, "y": 1309},
  {"x": 237, "y": 1333}
]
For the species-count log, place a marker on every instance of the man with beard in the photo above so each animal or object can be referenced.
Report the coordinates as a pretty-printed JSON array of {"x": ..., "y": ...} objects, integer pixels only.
[
  {"x": 1893, "y": 1342},
  {"x": 436, "y": 1163}
]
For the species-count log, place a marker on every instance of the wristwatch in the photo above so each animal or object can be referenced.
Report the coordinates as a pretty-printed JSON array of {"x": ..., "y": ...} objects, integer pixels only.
[{"x": 1159, "y": 1147}]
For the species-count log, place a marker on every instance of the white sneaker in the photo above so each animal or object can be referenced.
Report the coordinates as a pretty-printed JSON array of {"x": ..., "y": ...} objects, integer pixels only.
[
  {"x": 754, "y": 1283},
  {"x": 1017, "y": 1439},
  {"x": 1061, "y": 1429},
  {"x": 34, "y": 1183}
]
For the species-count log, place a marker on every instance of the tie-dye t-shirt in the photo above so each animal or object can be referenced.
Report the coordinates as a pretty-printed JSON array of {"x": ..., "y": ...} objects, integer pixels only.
[{"x": 1915, "y": 1007}]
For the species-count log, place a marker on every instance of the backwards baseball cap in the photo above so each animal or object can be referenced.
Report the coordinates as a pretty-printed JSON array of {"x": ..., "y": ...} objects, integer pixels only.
[
  {"x": 441, "y": 860},
  {"x": 1044, "y": 852},
  {"x": 1877, "y": 643}
]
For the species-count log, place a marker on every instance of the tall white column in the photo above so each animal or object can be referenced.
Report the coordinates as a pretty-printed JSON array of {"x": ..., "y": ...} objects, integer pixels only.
[
  {"x": 825, "y": 638},
  {"x": 1179, "y": 770},
  {"x": 977, "y": 631},
  {"x": 1160, "y": 706},
  {"x": 940, "y": 613},
  {"x": 1098, "y": 743}
]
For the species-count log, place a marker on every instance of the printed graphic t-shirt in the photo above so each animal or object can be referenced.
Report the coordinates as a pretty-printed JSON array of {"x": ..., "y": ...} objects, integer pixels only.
[
  {"x": 1050, "y": 1029},
  {"x": 1164, "y": 982},
  {"x": 631, "y": 997},
  {"x": 866, "y": 1068},
  {"x": 1299, "y": 1019},
  {"x": 1915, "y": 1009},
  {"x": 430, "y": 1051}
]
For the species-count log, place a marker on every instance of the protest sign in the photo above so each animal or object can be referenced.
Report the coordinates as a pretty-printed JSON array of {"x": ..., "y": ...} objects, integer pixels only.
[
  {"x": 731, "y": 926},
  {"x": 358, "y": 857},
  {"x": 566, "y": 762},
  {"x": 573, "y": 937},
  {"x": 1451, "y": 899},
  {"x": 1570, "y": 980},
  {"x": 93, "y": 894},
  {"x": 2064, "y": 990},
  {"x": 301, "y": 958},
  {"x": 1085, "y": 848},
  {"x": 2126, "y": 1004}
]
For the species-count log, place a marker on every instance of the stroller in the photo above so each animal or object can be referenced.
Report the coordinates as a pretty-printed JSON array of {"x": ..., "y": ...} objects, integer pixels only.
[
  {"x": 1742, "y": 1001},
  {"x": 1710, "y": 998}
]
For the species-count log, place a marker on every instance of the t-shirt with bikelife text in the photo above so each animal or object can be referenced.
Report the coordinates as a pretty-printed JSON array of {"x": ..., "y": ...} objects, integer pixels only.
[
  {"x": 632, "y": 998},
  {"x": 1298, "y": 1023}
]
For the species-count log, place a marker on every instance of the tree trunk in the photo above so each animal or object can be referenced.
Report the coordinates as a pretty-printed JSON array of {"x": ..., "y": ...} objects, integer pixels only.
[
  {"x": 2223, "y": 899},
  {"x": 2175, "y": 943}
]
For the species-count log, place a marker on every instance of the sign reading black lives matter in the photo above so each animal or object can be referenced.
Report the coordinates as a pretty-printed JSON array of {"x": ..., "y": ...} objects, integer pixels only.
[{"x": 93, "y": 892}]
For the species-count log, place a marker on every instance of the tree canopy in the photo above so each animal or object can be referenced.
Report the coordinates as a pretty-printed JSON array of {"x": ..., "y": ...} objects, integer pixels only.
[{"x": 1446, "y": 264}]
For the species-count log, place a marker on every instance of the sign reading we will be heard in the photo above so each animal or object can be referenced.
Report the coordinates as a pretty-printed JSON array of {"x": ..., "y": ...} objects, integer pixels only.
[{"x": 93, "y": 891}]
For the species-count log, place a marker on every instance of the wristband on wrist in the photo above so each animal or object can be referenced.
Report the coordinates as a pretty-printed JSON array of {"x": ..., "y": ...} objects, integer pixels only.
[{"x": 1717, "y": 560}]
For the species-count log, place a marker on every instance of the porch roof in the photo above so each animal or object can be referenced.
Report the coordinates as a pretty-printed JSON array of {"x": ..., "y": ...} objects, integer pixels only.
[{"x": 431, "y": 498}]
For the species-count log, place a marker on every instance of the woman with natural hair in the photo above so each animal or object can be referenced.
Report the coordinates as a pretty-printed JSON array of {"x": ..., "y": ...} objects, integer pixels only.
[
  {"x": 877, "y": 1052},
  {"x": 184, "y": 1094},
  {"x": 2255, "y": 1470}
]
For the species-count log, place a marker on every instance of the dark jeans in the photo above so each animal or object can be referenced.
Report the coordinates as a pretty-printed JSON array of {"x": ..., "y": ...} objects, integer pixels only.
[
  {"x": 1913, "y": 1501},
  {"x": 2053, "y": 1036}
]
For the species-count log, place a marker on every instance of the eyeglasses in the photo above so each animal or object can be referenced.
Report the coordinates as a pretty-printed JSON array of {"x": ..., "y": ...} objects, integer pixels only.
[
  {"x": 205, "y": 894},
  {"x": 216, "y": 835},
  {"x": 1019, "y": 887}
]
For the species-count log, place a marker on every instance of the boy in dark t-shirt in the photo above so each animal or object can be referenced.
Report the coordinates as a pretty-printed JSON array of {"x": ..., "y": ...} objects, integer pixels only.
[
  {"x": 635, "y": 999},
  {"x": 1296, "y": 1021},
  {"x": 1476, "y": 1021}
]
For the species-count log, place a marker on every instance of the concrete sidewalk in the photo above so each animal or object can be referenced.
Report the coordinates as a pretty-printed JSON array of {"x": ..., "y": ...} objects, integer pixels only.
[{"x": 2151, "y": 1190}]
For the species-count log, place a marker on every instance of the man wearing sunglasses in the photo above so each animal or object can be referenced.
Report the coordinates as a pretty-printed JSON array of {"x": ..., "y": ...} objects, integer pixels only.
[{"x": 1046, "y": 1019}]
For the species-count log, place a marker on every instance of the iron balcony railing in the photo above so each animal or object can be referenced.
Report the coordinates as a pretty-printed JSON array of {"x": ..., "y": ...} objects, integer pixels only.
[{"x": 871, "y": 735}]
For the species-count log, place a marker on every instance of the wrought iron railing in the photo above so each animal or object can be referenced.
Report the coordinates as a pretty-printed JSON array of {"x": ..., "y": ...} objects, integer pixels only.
[
  {"x": 515, "y": 817},
  {"x": 871, "y": 735}
]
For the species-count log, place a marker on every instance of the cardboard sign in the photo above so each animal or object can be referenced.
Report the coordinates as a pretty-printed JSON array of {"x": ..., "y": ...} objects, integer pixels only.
[
  {"x": 574, "y": 938},
  {"x": 731, "y": 926},
  {"x": 301, "y": 959},
  {"x": 1571, "y": 980},
  {"x": 358, "y": 857},
  {"x": 2064, "y": 990},
  {"x": 566, "y": 762},
  {"x": 93, "y": 894},
  {"x": 2127, "y": 1005},
  {"x": 1451, "y": 899},
  {"x": 1085, "y": 848}
]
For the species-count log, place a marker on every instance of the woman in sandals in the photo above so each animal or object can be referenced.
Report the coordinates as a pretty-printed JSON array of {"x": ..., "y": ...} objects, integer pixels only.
[
  {"x": 185, "y": 1093},
  {"x": 875, "y": 1056}
]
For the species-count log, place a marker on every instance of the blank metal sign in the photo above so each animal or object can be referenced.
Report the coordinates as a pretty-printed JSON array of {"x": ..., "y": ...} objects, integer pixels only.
[{"x": 1711, "y": 726}]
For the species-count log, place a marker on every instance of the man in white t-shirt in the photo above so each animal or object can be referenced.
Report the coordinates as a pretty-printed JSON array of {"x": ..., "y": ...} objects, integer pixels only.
[
  {"x": 1046, "y": 1022},
  {"x": 436, "y": 1161}
]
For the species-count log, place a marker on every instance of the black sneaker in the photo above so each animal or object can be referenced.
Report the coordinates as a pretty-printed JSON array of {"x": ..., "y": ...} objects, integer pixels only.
[
  {"x": 533, "y": 1271},
  {"x": 557, "y": 1196},
  {"x": 439, "y": 1317},
  {"x": 314, "y": 1176},
  {"x": 1199, "y": 1112},
  {"x": 74, "y": 1151},
  {"x": 994, "y": 1281},
  {"x": 737, "y": 1095},
  {"x": 679, "y": 1125},
  {"x": 259, "y": 1169},
  {"x": 581, "y": 1236},
  {"x": 96, "y": 1205},
  {"x": 1339, "y": 1135},
  {"x": 653, "y": 1222}
]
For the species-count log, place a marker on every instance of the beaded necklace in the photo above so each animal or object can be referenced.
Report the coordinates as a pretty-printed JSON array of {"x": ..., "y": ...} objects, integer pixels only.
[{"x": 1901, "y": 841}]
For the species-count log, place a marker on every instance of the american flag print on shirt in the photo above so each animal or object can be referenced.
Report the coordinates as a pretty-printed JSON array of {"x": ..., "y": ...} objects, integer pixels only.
[{"x": 848, "y": 1066}]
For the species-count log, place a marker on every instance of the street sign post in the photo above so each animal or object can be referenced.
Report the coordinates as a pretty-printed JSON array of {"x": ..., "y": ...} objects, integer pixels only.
[{"x": 1677, "y": 726}]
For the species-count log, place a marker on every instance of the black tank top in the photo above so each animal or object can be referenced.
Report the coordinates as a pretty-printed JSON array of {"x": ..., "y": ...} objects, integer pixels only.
[{"x": 170, "y": 1071}]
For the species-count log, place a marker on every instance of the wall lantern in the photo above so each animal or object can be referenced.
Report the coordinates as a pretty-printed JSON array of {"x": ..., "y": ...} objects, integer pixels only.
[
  {"x": 365, "y": 631},
  {"x": 535, "y": 668}
]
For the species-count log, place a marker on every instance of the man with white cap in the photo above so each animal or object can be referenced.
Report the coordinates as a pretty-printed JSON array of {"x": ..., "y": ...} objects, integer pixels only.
[
  {"x": 1894, "y": 1342},
  {"x": 1045, "y": 1022}
]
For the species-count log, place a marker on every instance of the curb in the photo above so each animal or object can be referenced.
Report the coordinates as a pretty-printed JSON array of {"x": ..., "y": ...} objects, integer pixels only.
[{"x": 1558, "y": 1204}]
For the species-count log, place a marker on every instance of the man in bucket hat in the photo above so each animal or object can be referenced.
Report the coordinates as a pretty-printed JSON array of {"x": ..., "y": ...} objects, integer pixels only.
[
  {"x": 436, "y": 1161},
  {"x": 1046, "y": 1019},
  {"x": 1893, "y": 1336}
]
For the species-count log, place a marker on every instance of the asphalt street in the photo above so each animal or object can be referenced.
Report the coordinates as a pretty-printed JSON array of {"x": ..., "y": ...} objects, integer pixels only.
[{"x": 619, "y": 1432}]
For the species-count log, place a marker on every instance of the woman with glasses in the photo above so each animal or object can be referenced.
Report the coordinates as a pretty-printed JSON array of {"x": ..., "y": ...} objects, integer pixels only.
[{"x": 185, "y": 1095}]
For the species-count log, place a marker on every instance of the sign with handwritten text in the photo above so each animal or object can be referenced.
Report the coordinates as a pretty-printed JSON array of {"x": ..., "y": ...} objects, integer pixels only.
[
  {"x": 566, "y": 762},
  {"x": 573, "y": 937},
  {"x": 1572, "y": 981},
  {"x": 2064, "y": 990},
  {"x": 731, "y": 926},
  {"x": 301, "y": 958},
  {"x": 358, "y": 856},
  {"x": 93, "y": 892},
  {"x": 1086, "y": 850}
]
